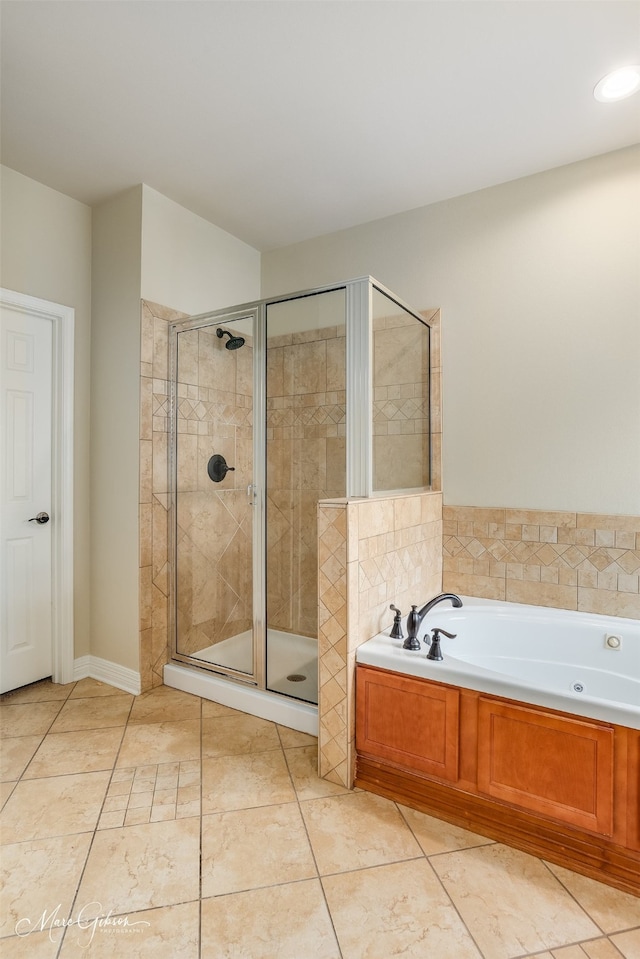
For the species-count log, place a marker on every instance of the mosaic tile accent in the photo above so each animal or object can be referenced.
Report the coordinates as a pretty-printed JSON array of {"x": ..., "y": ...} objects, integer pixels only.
[
  {"x": 582, "y": 561},
  {"x": 155, "y": 793}
]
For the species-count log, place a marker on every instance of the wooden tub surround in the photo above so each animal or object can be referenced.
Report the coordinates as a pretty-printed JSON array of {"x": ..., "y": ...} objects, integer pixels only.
[{"x": 555, "y": 785}]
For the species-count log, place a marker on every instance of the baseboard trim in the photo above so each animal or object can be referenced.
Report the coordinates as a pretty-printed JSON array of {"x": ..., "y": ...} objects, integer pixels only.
[{"x": 94, "y": 667}]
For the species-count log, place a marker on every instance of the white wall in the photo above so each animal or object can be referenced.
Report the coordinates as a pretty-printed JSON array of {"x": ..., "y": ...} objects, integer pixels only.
[
  {"x": 192, "y": 265},
  {"x": 539, "y": 285},
  {"x": 45, "y": 251},
  {"x": 144, "y": 246},
  {"x": 115, "y": 403}
]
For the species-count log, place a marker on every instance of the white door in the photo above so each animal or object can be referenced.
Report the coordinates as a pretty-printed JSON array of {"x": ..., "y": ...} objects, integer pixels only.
[{"x": 26, "y": 493}]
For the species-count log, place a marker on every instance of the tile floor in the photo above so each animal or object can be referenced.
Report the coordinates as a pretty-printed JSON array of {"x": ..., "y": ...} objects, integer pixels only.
[{"x": 169, "y": 827}]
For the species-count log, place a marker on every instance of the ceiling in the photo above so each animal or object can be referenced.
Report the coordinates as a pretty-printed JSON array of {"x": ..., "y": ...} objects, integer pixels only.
[{"x": 280, "y": 121}]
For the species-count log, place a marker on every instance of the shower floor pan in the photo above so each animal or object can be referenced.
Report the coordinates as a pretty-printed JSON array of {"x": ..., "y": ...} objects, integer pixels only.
[
  {"x": 285, "y": 710},
  {"x": 292, "y": 661}
]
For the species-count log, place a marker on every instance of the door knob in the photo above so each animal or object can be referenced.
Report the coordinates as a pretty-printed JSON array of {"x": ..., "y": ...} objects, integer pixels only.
[{"x": 41, "y": 518}]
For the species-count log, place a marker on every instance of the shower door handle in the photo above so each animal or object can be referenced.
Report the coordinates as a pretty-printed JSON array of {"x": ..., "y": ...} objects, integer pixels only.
[{"x": 252, "y": 494}]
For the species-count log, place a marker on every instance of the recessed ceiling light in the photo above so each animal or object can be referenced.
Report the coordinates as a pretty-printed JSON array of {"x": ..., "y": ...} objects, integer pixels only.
[{"x": 618, "y": 85}]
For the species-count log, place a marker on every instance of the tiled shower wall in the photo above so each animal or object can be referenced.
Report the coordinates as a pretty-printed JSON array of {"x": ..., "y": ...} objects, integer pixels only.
[
  {"x": 306, "y": 462},
  {"x": 581, "y": 561},
  {"x": 306, "y": 417},
  {"x": 214, "y": 520},
  {"x": 154, "y": 491},
  {"x": 400, "y": 403}
]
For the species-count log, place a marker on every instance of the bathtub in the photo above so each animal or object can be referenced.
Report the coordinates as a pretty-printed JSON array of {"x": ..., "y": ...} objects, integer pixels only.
[{"x": 579, "y": 663}]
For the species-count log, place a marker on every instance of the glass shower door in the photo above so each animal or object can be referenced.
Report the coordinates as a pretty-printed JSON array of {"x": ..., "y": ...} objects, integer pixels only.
[
  {"x": 305, "y": 463},
  {"x": 214, "y": 493}
]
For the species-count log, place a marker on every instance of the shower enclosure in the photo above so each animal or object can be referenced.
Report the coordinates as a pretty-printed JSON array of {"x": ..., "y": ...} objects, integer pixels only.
[{"x": 276, "y": 406}]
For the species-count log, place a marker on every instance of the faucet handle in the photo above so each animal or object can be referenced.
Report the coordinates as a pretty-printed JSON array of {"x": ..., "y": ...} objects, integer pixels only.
[
  {"x": 439, "y": 629},
  {"x": 434, "y": 650},
  {"x": 396, "y": 629}
]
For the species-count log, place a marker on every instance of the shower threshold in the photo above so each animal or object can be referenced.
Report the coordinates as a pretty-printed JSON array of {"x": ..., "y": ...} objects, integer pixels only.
[{"x": 292, "y": 670}]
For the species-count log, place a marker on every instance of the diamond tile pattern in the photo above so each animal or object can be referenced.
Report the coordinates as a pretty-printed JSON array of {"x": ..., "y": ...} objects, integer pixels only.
[
  {"x": 332, "y": 659},
  {"x": 582, "y": 561},
  {"x": 154, "y": 548}
]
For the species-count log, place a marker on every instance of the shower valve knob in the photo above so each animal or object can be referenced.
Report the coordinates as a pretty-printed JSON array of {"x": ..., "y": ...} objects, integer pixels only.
[{"x": 217, "y": 468}]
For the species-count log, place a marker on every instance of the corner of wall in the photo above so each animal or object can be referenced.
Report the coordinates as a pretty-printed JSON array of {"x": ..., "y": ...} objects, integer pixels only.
[{"x": 115, "y": 351}]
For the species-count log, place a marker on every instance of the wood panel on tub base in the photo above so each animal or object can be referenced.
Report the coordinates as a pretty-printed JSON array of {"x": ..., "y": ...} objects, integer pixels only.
[{"x": 557, "y": 786}]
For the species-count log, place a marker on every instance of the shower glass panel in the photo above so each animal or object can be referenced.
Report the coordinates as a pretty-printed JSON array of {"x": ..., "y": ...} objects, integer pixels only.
[
  {"x": 401, "y": 423},
  {"x": 214, "y": 483},
  {"x": 305, "y": 462}
]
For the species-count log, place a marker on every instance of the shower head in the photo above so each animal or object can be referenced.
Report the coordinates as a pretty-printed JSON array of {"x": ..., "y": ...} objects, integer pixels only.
[{"x": 233, "y": 343}]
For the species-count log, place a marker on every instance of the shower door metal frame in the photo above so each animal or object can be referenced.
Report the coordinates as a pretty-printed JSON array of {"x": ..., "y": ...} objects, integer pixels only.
[{"x": 255, "y": 491}]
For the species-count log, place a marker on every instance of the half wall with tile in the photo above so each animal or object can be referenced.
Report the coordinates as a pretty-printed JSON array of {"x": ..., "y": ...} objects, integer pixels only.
[{"x": 371, "y": 553}]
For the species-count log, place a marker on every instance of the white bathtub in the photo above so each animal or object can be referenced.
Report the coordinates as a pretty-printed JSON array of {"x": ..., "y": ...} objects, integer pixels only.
[{"x": 547, "y": 657}]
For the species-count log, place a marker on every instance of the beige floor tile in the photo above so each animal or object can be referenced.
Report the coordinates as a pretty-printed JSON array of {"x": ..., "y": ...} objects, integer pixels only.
[
  {"x": 511, "y": 903},
  {"x": 240, "y": 782},
  {"x": 96, "y": 713},
  {"x": 238, "y": 735},
  {"x": 396, "y": 910},
  {"x": 613, "y": 910},
  {"x": 303, "y": 766},
  {"x": 40, "y": 879},
  {"x": 37, "y": 693},
  {"x": 111, "y": 820},
  {"x": 601, "y": 949},
  {"x": 5, "y": 791},
  {"x": 291, "y": 922},
  {"x": 58, "y": 806},
  {"x": 628, "y": 943},
  {"x": 15, "y": 755},
  {"x": 211, "y": 710},
  {"x": 170, "y": 932},
  {"x": 38, "y": 945},
  {"x": 28, "y": 719},
  {"x": 160, "y": 743},
  {"x": 141, "y": 867},
  {"x": 88, "y": 688},
  {"x": 356, "y": 831},
  {"x": 568, "y": 952},
  {"x": 82, "y": 751},
  {"x": 292, "y": 737},
  {"x": 230, "y": 841},
  {"x": 435, "y": 835},
  {"x": 164, "y": 704}
]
